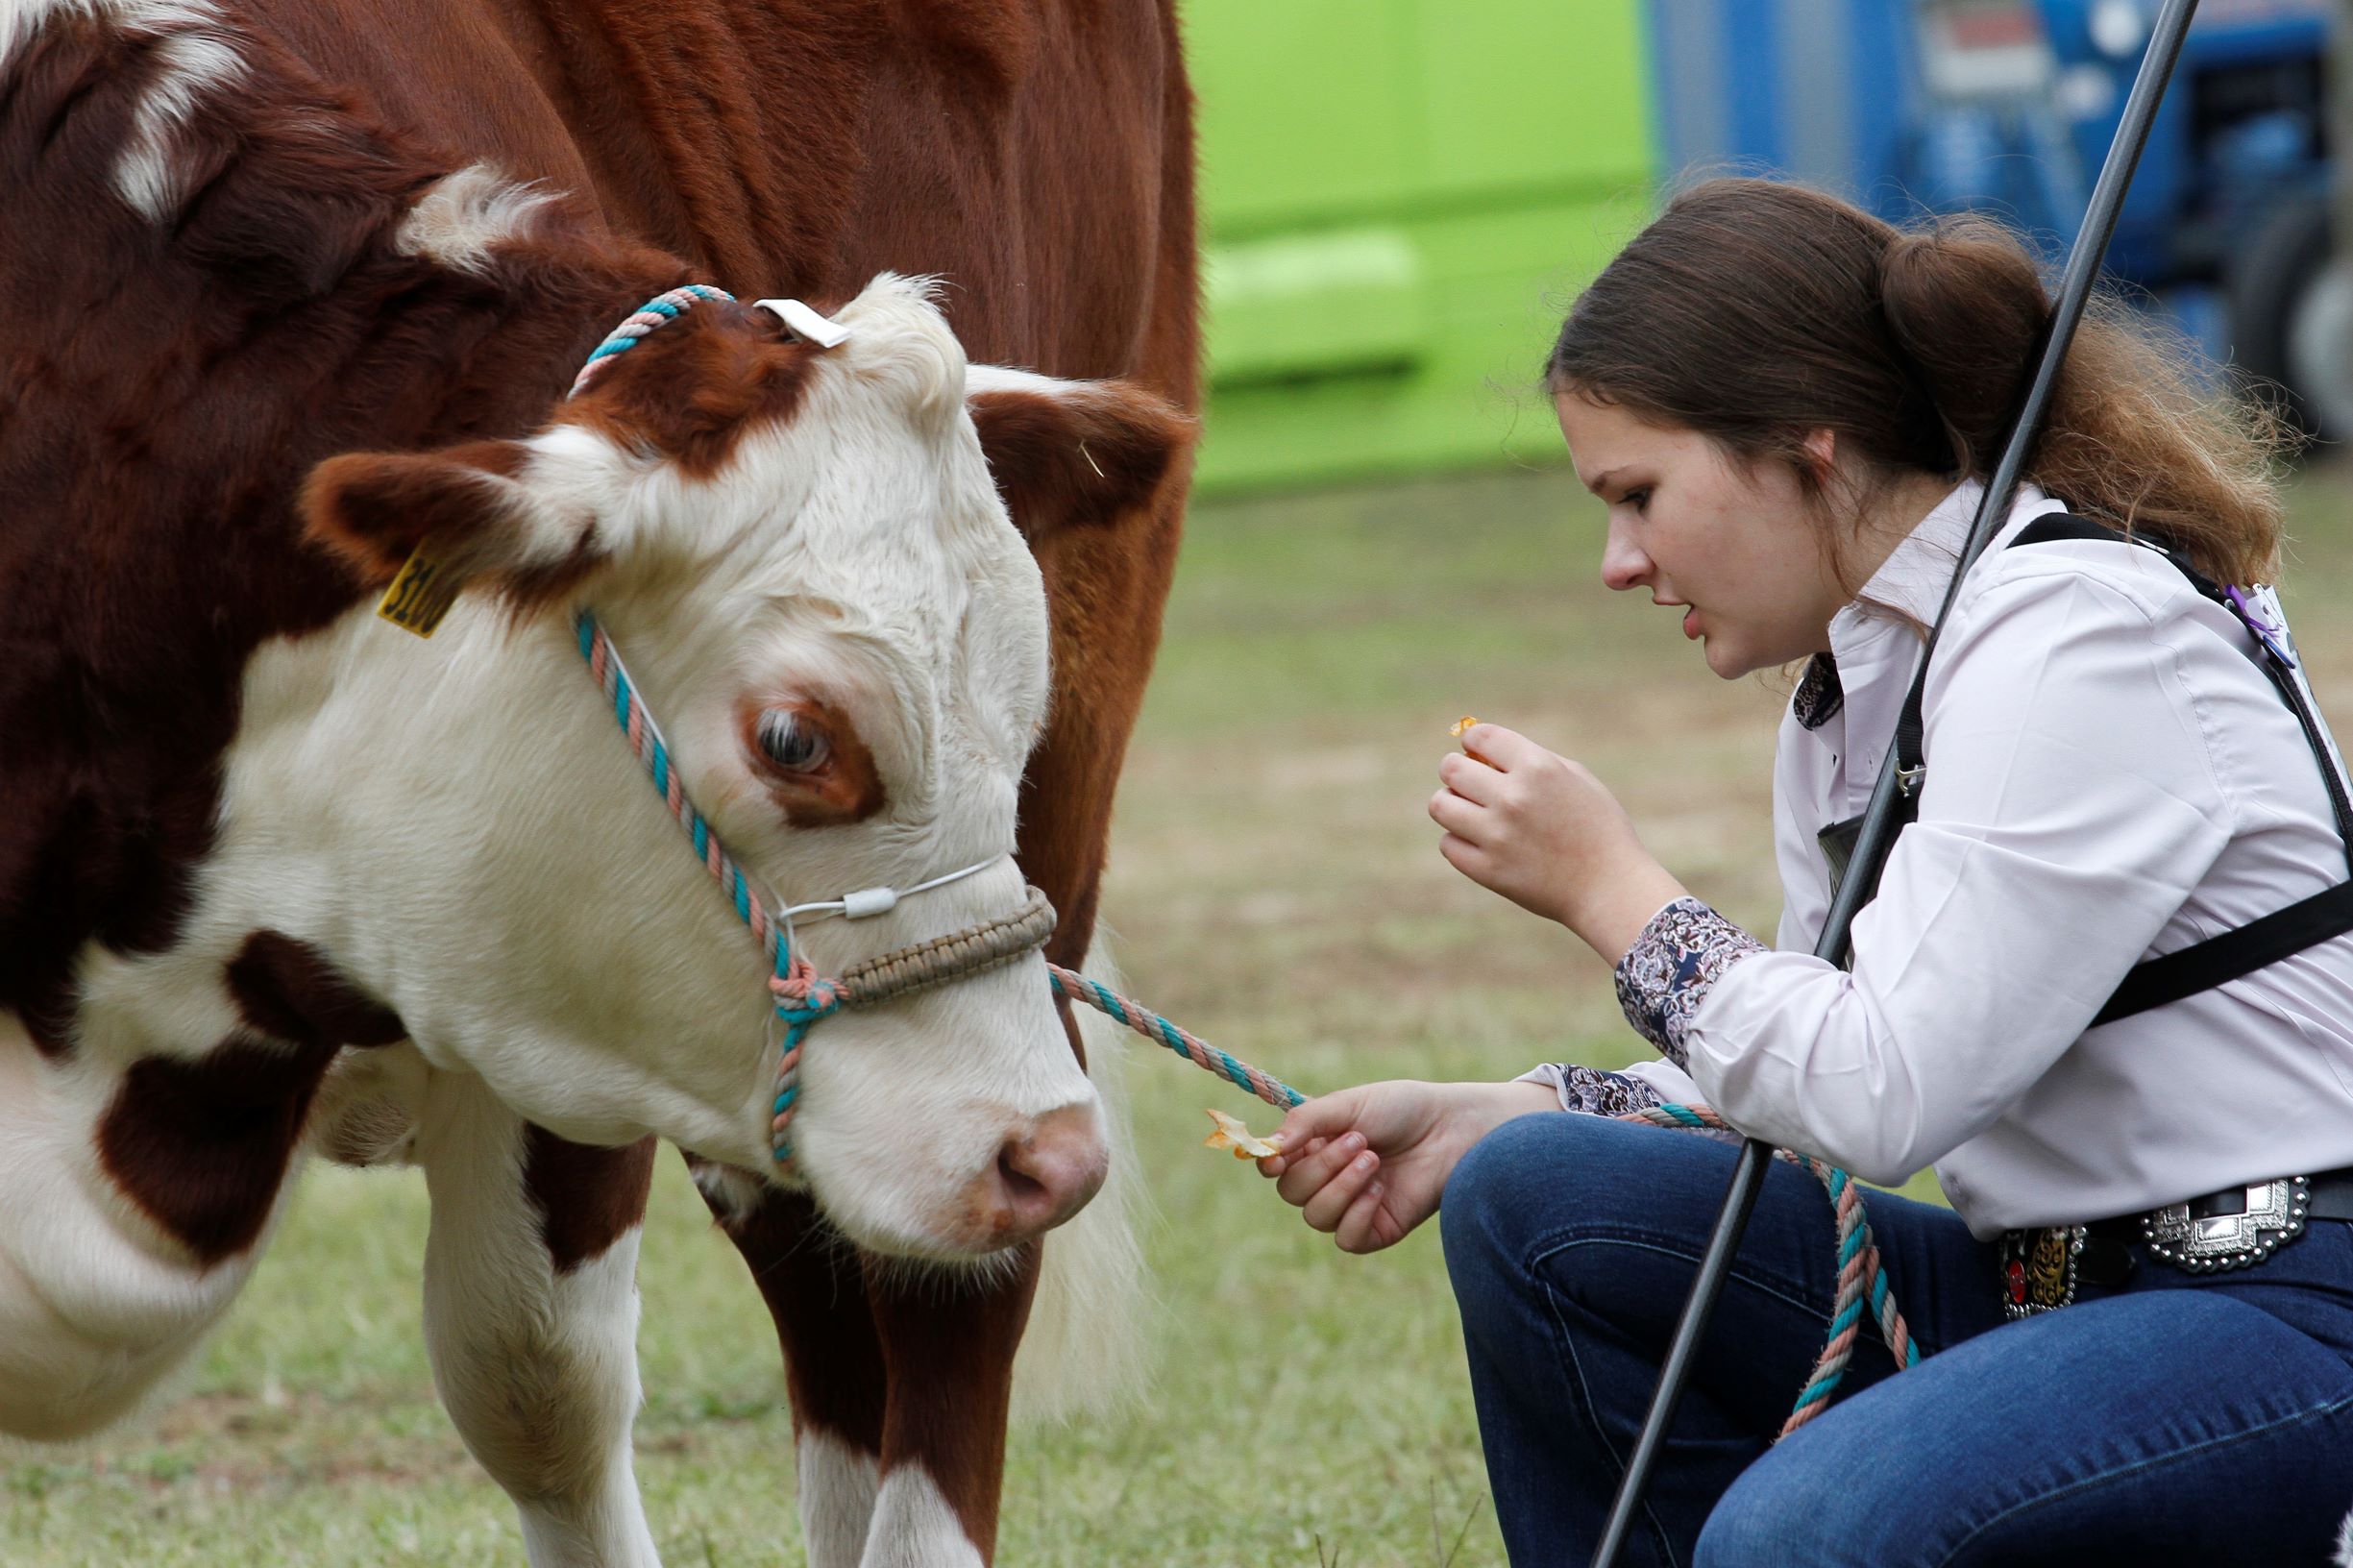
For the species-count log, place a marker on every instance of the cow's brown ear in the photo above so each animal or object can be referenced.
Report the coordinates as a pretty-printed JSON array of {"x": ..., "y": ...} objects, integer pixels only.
[
  {"x": 1072, "y": 453},
  {"x": 462, "y": 505}
]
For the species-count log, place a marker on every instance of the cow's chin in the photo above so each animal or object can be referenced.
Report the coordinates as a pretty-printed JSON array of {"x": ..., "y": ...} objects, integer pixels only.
[
  {"x": 925, "y": 1206},
  {"x": 735, "y": 1192},
  {"x": 956, "y": 1240}
]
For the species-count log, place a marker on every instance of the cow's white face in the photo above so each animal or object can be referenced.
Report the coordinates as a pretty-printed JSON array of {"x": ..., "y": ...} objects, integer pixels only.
[{"x": 802, "y": 556}]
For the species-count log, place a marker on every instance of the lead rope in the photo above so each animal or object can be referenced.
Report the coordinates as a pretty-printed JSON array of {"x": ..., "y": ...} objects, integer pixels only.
[
  {"x": 1160, "y": 1031},
  {"x": 801, "y": 998},
  {"x": 1862, "y": 1278}
]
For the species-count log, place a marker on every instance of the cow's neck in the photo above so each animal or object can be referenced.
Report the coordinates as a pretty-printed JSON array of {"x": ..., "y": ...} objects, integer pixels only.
[{"x": 711, "y": 157}]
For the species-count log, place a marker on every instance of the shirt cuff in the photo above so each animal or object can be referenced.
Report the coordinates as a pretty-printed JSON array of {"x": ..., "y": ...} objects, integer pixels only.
[
  {"x": 1593, "y": 1092},
  {"x": 1671, "y": 967}
]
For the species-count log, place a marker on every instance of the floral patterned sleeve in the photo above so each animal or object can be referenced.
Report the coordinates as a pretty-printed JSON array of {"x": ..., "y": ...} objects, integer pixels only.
[
  {"x": 1671, "y": 967},
  {"x": 1592, "y": 1091}
]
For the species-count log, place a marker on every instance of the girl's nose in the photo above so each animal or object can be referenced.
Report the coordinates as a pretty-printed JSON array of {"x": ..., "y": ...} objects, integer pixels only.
[{"x": 1623, "y": 565}]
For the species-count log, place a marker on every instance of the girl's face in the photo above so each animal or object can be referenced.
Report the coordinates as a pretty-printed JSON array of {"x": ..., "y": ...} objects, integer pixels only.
[{"x": 1736, "y": 546}]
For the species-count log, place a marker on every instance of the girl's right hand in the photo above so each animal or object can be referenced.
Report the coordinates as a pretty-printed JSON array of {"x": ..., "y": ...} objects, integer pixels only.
[{"x": 1367, "y": 1164}]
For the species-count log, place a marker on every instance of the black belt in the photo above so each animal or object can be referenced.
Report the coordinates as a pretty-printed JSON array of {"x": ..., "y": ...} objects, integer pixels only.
[
  {"x": 2107, "y": 1257},
  {"x": 2331, "y": 1198}
]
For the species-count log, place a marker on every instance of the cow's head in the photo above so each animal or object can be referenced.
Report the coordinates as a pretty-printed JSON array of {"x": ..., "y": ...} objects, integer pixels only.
[{"x": 802, "y": 555}]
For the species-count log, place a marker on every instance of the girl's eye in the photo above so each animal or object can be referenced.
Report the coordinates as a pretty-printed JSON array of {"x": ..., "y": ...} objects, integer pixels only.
[
  {"x": 1638, "y": 500},
  {"x": 792, "y": 742}
]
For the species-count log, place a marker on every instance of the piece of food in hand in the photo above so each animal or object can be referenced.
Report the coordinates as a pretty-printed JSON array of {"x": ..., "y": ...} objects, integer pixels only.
[
  {"x": 1231, "y": 1133},
  {"x": 1462, "y": 724}
]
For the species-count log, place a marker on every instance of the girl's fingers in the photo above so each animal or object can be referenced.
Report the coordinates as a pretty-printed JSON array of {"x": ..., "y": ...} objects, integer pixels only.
[
  {"x": 1466, "y": 857},
  {"x": 1275, "y": 1165},
  {"x": 1503, "y": 749},
  {"x": 1322, "y": 1210},
  {"x": 1326, "y": 1115},
  {"x": 1365, "y": 1227},
  {"x": 1307, "y": 1125},
  {"x": 1469, "y": 777},
  {"x": 1309, "y": 1173},
  {"x": 1451, "y": 811}
]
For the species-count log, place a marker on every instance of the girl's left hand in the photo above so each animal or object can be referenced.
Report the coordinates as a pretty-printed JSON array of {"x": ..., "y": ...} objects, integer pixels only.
[{"x": 1541, "y": 830}]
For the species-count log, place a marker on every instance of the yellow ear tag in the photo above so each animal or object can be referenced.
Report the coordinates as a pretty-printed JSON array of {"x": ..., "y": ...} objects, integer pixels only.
[{"x": 420, "y": 596}]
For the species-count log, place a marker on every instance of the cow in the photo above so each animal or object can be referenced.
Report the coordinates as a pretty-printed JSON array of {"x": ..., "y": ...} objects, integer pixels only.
[{"x": 298, "y": 286}]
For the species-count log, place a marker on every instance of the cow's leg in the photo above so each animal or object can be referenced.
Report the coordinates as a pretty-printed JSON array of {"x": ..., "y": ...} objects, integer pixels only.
[
  {"x": 817, "y": 1293},
  {"x": 949, "y": 1350},
  {"x": 530, "y": 1317},
  {"x": 900, "y": 1383}
]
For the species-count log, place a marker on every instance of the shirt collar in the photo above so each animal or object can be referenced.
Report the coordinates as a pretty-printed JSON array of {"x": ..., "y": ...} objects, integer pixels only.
[
  {"x": 1910, "y": 587},
  {"x": 1850, "y": 697}
]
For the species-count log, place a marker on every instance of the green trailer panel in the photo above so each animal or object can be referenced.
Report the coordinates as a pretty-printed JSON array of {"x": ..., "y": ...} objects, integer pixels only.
[{"x": 1399, "y": 197}]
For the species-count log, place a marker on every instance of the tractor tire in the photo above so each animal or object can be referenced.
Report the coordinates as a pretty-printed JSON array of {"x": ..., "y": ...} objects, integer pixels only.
[{"x": 2272, "y": 289}]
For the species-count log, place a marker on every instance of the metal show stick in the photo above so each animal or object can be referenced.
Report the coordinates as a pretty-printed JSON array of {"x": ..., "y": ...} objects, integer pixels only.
[{"x": 1878, "y": 828}]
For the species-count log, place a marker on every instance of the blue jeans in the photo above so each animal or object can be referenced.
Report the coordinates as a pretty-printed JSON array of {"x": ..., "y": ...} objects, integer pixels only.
[{"x": 2173, "y": 1419}]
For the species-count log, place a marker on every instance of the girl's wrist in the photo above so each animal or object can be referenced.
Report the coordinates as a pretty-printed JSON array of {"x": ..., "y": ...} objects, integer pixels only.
[
  {"x": 1609, "y": 915},
  {"x": 1486, "y": 1106}
]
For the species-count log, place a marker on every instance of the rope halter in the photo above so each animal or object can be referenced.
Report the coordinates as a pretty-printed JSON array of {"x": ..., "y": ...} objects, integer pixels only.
[{"x": 802, "y": 999}]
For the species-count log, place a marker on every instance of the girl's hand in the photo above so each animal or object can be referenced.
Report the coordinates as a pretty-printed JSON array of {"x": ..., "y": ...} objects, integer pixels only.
[
  {"x": 1367, "y": 1164},
  {"x": 1546, "y": 834}
]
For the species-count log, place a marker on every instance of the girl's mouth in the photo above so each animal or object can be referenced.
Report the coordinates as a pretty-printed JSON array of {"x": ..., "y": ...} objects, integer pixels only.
[{"x": 1691, "y": 622}]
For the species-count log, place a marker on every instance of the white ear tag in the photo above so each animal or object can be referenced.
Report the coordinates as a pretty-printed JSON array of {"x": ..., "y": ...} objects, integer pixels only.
[{"x": 818, "y": 329}]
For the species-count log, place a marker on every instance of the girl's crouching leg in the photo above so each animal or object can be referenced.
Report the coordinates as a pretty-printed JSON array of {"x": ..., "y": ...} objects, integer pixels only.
[{"x": 1551, "y": 1228}]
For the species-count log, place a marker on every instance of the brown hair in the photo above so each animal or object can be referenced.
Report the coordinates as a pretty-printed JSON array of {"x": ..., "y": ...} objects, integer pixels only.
[{"x": 1754, "y": 311}]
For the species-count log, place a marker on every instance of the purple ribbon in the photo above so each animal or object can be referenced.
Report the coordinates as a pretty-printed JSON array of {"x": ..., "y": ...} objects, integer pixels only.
[{"x": 2264, "y": 631}]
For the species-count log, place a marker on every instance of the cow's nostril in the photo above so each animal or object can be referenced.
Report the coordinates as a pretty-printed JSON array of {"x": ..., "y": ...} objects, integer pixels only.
[
  {"x": 1047, "y": 1171},
  {"x": 1023, "y": 1189}
]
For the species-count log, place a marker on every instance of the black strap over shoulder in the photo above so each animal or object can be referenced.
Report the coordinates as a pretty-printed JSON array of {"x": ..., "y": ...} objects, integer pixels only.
[{"x": 2204, "y": 964}]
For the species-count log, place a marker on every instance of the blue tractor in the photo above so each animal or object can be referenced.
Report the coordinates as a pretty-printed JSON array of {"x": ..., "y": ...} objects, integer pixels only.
[{"x": 2009, "y": 105}]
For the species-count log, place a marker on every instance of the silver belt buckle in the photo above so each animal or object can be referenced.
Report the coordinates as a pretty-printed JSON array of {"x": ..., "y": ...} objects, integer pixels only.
[{"x": 2274, "y": 1217}]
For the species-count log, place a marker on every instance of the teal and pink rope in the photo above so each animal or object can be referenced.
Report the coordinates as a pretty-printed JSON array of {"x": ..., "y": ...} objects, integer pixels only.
[
  {"x": 1862, "y": 1280},
  {"x": 1158, "y": 1030},
  {"x": 660, "y": 310},
  {"x": 802, "y": 997}
]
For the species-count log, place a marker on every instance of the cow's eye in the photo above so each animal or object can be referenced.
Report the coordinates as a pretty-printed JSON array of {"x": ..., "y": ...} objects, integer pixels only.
[{"x": 792, "y": 742}]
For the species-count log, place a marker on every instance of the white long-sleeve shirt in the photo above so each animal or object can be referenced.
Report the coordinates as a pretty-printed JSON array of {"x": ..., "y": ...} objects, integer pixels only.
[{"x": 2110, "y": 778}]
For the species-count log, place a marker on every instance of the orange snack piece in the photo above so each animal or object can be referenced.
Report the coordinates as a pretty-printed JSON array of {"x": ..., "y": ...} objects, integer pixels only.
[
  {"x": 1232, "y": 1134},
  {"x": 1462, "y": 723}
]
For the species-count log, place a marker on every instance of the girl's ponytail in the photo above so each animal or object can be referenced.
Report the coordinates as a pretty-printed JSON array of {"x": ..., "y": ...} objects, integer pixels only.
[{"x": 1964, "y": 310}]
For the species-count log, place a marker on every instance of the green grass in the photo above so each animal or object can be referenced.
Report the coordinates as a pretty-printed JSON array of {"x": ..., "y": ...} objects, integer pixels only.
[{"x": 1275, "y": 886}]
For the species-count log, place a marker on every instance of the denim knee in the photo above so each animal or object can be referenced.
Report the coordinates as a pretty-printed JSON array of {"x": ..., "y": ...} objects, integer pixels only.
[
  {"x": 1793, "y": 1522},
  {"x": 1521, "y": 1183}
]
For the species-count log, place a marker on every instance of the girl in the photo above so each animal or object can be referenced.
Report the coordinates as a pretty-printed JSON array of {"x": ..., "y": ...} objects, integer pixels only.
[{"x": 2137, "y": 1313}]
